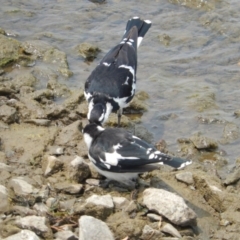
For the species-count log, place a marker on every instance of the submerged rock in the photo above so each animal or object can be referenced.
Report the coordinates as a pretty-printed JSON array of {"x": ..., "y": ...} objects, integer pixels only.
[
  {"x": 88, "y": 51},
  {"x": 94, "y": 229},
  {"x": 169, "y": 205},
  {"x": 202, "y": 142}
]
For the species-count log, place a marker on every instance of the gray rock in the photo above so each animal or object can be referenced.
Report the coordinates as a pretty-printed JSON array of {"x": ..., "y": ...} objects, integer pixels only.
[
  {"x": 94, "y": 229},
  {"x": 120, "y": 202},
  {"x": 202, "y": 142},
  {"x": 154, "y": 217},
  {"x": 4, "y": 203},
  {"x": 66, "y": 235},
  {"x": 185, "y": 177},
  {"x": 105, "y": 201},
  {"x": 168, "y": 228},
  {"x": 132, "y": 207},
  {"x": 5, "y": 167},
  {"x": 93, "y": 182},
  {"x": 35, "y": 223},
  {"x": 150, "y": 233},
  {"x": 23, "y": 235},
  {"x": 169, "y": 205},
  {"x": 97, "y": 206},
  {"x": 40, "y": 208},
  {"x": 77, "y": 170},
  {"x": 50, "y": 165},
  {"x": 8, "y": 114},
  {"x": 23, "y": 211},
  {"x": 21, "y": 187},
  {"x": 68, "y": 187}
]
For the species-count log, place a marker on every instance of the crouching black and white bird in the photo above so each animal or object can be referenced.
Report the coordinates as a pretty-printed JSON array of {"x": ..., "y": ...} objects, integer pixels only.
[
  {"x": 118, "y": 155},
  {"x": 111, "y": 85}
]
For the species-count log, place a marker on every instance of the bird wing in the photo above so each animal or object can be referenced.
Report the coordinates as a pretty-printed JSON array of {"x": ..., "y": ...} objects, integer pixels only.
[
  {"x": 115, "y": 74},
  {"x": 123, "y": 152}
]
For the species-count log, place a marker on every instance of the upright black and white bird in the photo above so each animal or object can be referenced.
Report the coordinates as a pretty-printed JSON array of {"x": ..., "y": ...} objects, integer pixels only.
[
  {"x": 111, "y": 85},
  {"x": 118, "y": 155}
]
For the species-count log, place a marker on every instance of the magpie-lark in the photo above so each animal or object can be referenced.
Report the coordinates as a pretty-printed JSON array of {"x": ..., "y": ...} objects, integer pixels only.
[
  {"x": 121, "y": 156},
  {"x": 111, "y": 85}
]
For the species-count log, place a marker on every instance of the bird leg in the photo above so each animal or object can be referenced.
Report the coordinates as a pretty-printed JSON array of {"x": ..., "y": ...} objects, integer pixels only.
[{"x": 119, "y": 113}]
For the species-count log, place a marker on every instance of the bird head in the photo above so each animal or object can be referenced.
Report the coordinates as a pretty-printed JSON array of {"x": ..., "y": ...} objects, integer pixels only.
[{"x": 96, "y": 113}]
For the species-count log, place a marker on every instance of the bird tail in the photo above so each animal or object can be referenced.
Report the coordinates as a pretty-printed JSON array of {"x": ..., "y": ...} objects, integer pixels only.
[
  {"x": 174, "y": 162},
  {"x": 142, "y": 27}
]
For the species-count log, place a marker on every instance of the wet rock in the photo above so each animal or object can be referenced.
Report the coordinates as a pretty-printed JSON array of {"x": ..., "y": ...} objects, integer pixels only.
[
  {"x": 150, "y": 233},
  {"x": 97, "y": 206},
  {"x": 202, "y": 100},
  {"x": 8, "y": 114},
  {"x": 59, "y": 59},
  {"x": 51, "y": 165},
  {"x": 82, "y": 109},
  {"x": 88, "y": 51},
  {"x": 77, "y": 170},
  {"x": 138, "y": 103},
  {"x": 168, "y": 228},
  {"x": 77, "y": 96},
  {"x": 185, "y": 177},
  {"x": 24, "y": 79},
  {"x": 59, "y": 89},
  {"x": 21, "y": 187},
  {"x": 202, "y": 142},
  {"x": 37, "y": 224},
  {"x": 120, "y": 202},
  {"x": 56, "y": 112},
  {"x": 10, "y": 50},
  {"x": 70, "y": 188},
  {"x": 230, "y": 133},
  {"x": 23, "y": 235},
  {"x": 112, "y": 121},
  {"x": 4, "y": 203},
  {"x": 169, "y": 205},
  {"x": 6, "y": 90},
  {"x": 233, "y": 177},
  {"x": 38, "y": 122},
  {"x": 69, "y": 135},
  {"x": 88, "y": 226},
  {"x": 165, "y": 39},
  {"x": 39, "y": 95},
  {"x": 237, "y": 113},
  {"x": 66, "y": 235}
]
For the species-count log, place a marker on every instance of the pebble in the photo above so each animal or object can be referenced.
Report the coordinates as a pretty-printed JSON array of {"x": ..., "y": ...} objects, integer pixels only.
[
  {"x": 8, "y": 114},
  {"x": 66, "y": 235},
  {"x": 71, "y": 188},
  {"x": 21, "y": 187},
  {"x": 38, "y": 122},
  {"x": 154, "y": 217},
  {"x": 56, "y": 150},
  {"x": 185, "y": 177},
  {"x": 150, "y": 233},
  {"x": 105, "y": 200},
  {"x": 94, "y": 229},
  {"x": 120, "y": 202},
  {"x": 169, "y": 205},
  {"x": 51, "y": 165},
  {"x": 168, "y": 228}
]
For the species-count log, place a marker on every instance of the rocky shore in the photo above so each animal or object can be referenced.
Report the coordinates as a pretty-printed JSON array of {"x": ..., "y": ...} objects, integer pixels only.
[{"x": 49, "y": 189}]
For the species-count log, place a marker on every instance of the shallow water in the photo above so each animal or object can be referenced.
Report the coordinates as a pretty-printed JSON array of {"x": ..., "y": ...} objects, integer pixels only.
[{"x": 188, "y": 62}]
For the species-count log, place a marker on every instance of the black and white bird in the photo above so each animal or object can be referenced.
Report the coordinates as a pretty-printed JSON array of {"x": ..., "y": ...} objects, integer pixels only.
[
  {"x": 118, "y": 155},
  {"x": 111, "y": 85}
]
